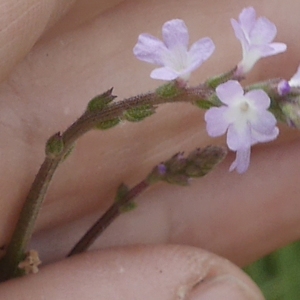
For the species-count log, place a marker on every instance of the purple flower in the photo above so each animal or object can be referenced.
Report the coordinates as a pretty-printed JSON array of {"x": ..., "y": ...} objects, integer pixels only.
[
  {"x": 246, "y": 119},
  {"x": 256, "y": 36},
  {"x": 172, "y": 54}
]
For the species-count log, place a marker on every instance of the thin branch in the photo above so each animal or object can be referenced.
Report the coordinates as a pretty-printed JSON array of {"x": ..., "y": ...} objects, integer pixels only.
[
  {"x": 176, "y": 170},
  {"x": 89, "y": 120},
  {"x": 111, "y": 214}
]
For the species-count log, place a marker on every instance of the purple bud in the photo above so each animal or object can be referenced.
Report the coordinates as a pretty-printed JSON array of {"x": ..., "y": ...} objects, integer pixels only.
[
  {"x": 283, "y": 87},
  {"x": 162, "y": 169}
]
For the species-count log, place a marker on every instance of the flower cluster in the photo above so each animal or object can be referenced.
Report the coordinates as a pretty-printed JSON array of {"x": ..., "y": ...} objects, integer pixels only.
[{"x": 244, "y": 116}]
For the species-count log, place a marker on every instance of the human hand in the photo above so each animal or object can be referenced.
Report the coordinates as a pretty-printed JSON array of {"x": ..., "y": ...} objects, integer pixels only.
[{"x": 238, "y": 217}]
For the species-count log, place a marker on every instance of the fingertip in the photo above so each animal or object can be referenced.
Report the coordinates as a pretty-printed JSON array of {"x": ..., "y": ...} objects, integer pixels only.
[
  {"x": 225, "y": 288},
  {"x": 138, "y": 272}
]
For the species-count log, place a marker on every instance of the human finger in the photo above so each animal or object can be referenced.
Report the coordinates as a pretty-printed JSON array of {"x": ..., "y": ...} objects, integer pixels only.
[
  {"x": 22, "y": 23},
  {"x": 139, "y": 272}
]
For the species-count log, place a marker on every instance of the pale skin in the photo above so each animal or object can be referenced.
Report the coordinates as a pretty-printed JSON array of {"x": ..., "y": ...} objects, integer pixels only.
[{"x": 52, "y": 62}]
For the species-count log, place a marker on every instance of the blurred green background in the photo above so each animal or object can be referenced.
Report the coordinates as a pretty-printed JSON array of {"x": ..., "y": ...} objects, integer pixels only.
[{"x": 278, "y": 274}]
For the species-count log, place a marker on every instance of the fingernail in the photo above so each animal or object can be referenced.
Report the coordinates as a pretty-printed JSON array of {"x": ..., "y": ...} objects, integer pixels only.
[{"x": 224, "y": 289}]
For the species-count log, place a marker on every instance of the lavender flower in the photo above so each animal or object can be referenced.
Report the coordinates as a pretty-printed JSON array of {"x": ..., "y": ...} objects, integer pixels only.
[
  {"x": 256, "y": 36},
  {"x": 246, "y": 119},
  {"x": 176, "y": 61}
]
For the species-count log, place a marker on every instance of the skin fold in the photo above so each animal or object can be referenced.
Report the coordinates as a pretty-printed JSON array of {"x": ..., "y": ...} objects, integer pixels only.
[{"x": 57, "y": 55}]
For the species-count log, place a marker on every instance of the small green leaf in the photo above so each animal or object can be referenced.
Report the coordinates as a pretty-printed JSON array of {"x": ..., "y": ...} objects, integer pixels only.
[
  {"x": 139, "y": 113},
  {"x": 54, "y": 145},
  {"x": 128, "y": 207},
  {"x": 217, "y": 80},
  {"x": 122, "y": 191},
  {"x": 169, "y": 90},
  {"x": 100, "y": 102},
  {"x": 204, "y": 104},
  {"x": 108, "y": 124}
]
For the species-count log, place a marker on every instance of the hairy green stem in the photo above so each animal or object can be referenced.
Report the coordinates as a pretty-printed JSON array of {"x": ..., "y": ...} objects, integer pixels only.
[
  {"x": 24, "y": 228},
  {"x": 177, "y": 170},
  {"x": 34, "y": 200},
  {"x": 64, "y": 142}
]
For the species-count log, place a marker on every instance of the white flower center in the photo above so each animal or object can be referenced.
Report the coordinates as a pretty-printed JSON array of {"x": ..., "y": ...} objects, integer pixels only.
[
  {"x": 244, "y": 107},
  {"x": 241, "y": 114},
  {"x": 176, "y": 59}
]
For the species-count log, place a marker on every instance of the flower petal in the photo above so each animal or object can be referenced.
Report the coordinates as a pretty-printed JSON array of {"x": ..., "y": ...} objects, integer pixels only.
[
  {"x": 295, "y": 80},
  {"x": 263, "y": 32},
  {"x": 247, "y": 18},
  {"x": 239, "y": 33},
  {"x": 229, "y": 91},
  {"x": 242, "y": 161},
  {"x": 274, "y": 48},
  {"x": 239, "y": 137},
  {"x": 164, "y": 74},
  {"x": 201, "y": 50},
  {"x": 149, "y": 49},
  {"x": 258, "y": 137},
  {"x": 259, "y": 99},
  {"x": 216, "y": 124},
  {"x": 265, "y": 122},
  {"x": 175, "y": 33}
]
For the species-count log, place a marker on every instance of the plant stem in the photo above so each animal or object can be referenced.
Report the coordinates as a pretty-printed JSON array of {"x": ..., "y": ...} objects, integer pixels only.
[
  {"x": 89, "y": 120},
  {"x": 110, "y": 215},
  {"x": 24, "y": 228},
  {"x": 176, "y": 170},
  {"x": 34, "y": 200}
]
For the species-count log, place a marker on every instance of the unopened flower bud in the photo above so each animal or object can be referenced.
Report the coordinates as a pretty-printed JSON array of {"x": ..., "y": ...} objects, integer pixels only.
[
  {"x": 162, "y": 169},
  {"x": 283, "y": 87},
  {"x": 176, "y": 163},
  {"x": 202, "y": 161}
]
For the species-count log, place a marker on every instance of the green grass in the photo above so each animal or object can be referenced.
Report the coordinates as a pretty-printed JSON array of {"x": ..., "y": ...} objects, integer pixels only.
[{"x": 278, "y": 274}]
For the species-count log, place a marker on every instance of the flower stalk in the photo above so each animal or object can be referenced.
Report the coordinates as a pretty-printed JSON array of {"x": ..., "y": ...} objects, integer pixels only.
[
  {"x": 177, "y": 170},
  {"x": 60, "y": 145},
  {"x": 247, "y": 115},
  {"x": 110, "y": 215}
]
